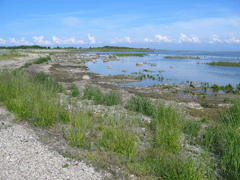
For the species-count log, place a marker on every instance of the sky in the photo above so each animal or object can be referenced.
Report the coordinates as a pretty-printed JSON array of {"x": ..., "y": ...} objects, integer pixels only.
[{"x": 174, "y": 25}]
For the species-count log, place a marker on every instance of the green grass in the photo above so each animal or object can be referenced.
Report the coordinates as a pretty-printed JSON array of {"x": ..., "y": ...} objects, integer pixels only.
[
  {"x": 38, "y": 61},
  {"x": 8, "y": 56},
  {"x": 30, "y": 100},
  {"x": 141, "y": 104},
  {"x": 224, "y": 63},
  {"x": 130, "y": 54},
  {"x": 74, "y": 89},
  {"x": 108, "y": 99},
  {"x": 223, "y": 139}
]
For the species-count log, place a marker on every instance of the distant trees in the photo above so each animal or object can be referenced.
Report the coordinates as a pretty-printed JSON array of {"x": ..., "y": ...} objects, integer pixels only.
[{"x": 25, "y": 47}]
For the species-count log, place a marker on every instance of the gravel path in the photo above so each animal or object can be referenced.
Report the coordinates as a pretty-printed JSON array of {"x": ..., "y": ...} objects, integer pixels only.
[{"x": 23, "y": 156}]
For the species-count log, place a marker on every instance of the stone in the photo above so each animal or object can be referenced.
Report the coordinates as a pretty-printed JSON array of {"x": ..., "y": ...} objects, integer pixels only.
[
  {"x": 171, "y": 66},
  {"x": 86, "y": 77},
  {"x": 195, "y": 84},
  {"x": 124, "y": 70},
  {"x": 139, "y": 64},
  {"x": 147, "y": 70},
  {"x": 109, "y": 66}
]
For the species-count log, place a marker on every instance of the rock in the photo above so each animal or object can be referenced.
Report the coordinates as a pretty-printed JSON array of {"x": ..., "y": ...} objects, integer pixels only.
[
  {"x": 94, "y": 62},
  {"x": 86, "y": 77},
  {"x": 144, "y": 62},
  {"x": 124, "y": 70},
  {"x": 171, "y": 66},
  {"x": 109, "y": 66},
  {"x": 195, "y": 84},
  {"x": 139, "y": 64},
  {"x": 198, "y": 57},
  {"x": 147, "y": 70}
]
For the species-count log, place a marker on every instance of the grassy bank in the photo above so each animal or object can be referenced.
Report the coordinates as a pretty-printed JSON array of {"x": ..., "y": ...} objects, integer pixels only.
[{"x": 224, "y": 63}]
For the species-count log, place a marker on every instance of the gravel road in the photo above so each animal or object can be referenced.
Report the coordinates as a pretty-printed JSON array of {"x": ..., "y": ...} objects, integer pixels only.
[{"x": 23, "y": 156}]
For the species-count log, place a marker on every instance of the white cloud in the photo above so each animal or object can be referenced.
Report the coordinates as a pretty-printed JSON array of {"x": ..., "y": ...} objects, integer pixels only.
[
  {"x": 22, "y": 41},
  {"x": 127, "y": 39},
  {"x": 146, "y": 40},
  {"x": 163, "y": 38},
  {"x": 116, "y": 40},
  {"x": 71, "y": 40},
  {"x": 2, "y": 41},
  {"x": 184, "y": 38},
  {"x": 233, "y": 40},
  {"x": 39, "y": 40},
  {"x": 215, "y": 39},
  {"x": 91, "y": 39}
]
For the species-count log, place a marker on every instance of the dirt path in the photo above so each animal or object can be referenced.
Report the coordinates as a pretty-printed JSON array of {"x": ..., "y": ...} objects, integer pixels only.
[{"x": 23, "y": 156}]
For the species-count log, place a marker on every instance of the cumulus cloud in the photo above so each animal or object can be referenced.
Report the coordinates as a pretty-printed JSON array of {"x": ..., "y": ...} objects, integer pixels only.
[
  {"x": 2, "y": 41},
  {"x": 127, "y": 39},
  {"x": 215, "y": 39},
  {"x": 233, "y": 40},
  {"x": 91, "y": 39},
  {"x": 22, "y": 41},
  {"x": 71, "y": 40},
  {"x": 146, "y": 40},
  {"x": 163, "y": 38},
  {"x": 39, "y": 40},
  {"x": 185, "y": 38},
  {"x": 116, "y": 40}
]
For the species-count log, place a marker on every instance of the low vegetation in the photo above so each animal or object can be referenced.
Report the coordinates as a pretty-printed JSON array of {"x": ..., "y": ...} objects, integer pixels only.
[
  {"x": 7, "y": 55},
  {"x": 181, "y": 57},
  {"x": 224, "y": 63},
  {"x": 131, "y": 54}
]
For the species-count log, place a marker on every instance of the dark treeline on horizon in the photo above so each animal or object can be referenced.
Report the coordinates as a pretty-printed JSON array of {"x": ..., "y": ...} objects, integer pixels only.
[
  {"x": 25, "y": 47},
  {"x": 44, "y": 47}
]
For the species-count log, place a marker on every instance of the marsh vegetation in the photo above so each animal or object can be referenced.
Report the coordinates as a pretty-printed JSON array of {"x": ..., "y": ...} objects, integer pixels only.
[{"x": 224, "y": 63}]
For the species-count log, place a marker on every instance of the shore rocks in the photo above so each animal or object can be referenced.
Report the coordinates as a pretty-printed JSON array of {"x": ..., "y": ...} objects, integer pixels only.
[
  {"x": 139, "y": 64},
  {"x": 147, "y": 70},
  {"x": 86, "y": 77},
  {"x": 195, "y": 84}
]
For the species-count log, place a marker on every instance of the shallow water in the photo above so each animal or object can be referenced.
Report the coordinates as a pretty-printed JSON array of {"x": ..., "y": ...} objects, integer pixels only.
[{"x": 183, "y": 69}]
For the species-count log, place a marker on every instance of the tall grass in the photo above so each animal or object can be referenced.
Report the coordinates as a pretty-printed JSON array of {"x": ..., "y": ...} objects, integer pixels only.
[
  {"x": 108, "y": 99},
  {"x": 118, "y": 140},
  {"x": 141, "y": 104},
  {"x": 223, "y": 139},
  {"x": 31, "y": 101}
]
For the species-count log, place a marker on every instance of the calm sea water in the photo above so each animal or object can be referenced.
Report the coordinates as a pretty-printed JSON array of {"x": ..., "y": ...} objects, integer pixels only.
[{"x": 183, "y": 69}]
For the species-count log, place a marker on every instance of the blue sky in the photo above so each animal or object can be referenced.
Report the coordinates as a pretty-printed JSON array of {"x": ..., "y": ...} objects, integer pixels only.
[{"x": 172, "y": 24}]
